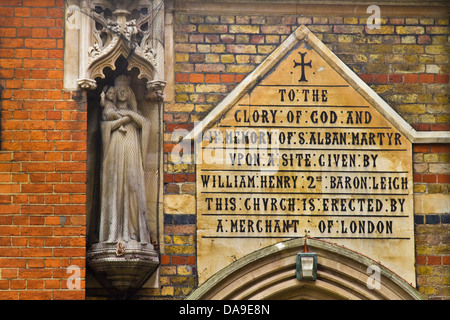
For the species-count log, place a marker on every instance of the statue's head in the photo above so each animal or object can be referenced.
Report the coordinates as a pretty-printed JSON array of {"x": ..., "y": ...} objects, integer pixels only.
[
  {"x": 124, "y": 92},
  {"x": 110, "y": 93},
  {"x": 122, "y": 85}
]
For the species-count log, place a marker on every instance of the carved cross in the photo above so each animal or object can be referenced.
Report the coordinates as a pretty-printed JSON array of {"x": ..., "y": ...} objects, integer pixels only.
[{"x": 302, "y": 65}]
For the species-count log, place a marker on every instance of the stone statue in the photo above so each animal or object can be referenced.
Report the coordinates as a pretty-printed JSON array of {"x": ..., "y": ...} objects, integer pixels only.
[{"x": 125, "y": 136}]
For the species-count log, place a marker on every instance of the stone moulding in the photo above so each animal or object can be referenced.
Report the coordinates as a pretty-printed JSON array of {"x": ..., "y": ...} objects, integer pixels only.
[
  {"x": 155, "y": 90},
  {"x": 87, "y": 84},
  {"x": 269, "y": 273},
  {"x": 115, "y": 49},
  {"x": 124, "y": 267},
  {"x": 302, "y": 33}
]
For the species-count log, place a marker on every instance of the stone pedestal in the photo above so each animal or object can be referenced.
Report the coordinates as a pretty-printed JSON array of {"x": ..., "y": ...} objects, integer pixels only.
[{"x": 124, "y": 267}]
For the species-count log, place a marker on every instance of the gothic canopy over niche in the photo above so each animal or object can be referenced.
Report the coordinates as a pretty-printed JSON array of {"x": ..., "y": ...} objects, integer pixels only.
[{"x": 99, "y": 32}]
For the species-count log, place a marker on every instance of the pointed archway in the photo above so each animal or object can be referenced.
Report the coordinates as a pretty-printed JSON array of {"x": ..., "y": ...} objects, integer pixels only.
[{"x": 269, "y": 273}]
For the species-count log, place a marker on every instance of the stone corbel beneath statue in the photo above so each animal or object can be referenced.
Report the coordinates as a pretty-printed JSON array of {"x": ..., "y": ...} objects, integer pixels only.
[
  {"x": 87, "y": 84},
  {"x": 155, "y": 90}
]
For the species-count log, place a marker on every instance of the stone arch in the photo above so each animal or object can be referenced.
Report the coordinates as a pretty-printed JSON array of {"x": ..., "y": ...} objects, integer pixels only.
[{"x": 269, "y": 274}]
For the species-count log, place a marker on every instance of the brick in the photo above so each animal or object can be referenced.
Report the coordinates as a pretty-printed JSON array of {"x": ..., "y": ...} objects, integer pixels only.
[
  {"x": 10, "y": 63},
  {"x": 70, "y": 188},
  {"x": 178, "y": 260},
  {"x": 240, "y": 69},
  {"x": 174, "y": 126},
  {"x": 165, "y": 259},
  {"x": 426, "y": 78},
  {"x": 227, "y": 78},
  {"x": 39, "y": 84},
  {"x": 55, "y": 74},
  {"x": 37, "y": 188},
  {"x": 8, "y": 33},
  {"x": 244, "y": 29},
  {"x": 241, "y": 48},
  {"x": 439, "y": 127},
  {"x": 395, "y": 78},
  {"x": 227, "y": 38},
  {"x": 180, "y": 249},
  {"x": 70, "y": 166},
  {"x": 190, "y": 260},
  {"x": 432, "y": 219},
  {"x": 441, "y": 78},
  {"x": 227, "y": 58},
  {"x": 275, "y": 29},
  {"x": 196, "y": 58},
  {"x": 11, "y": 21},
  {"x": 412, "y": 108},
  {"x": 196, "y": 78},
  {"x": 69, "y": 295},
  {"x": 34, "y": 146},
  {"x": 446, "y": 260},
  {"x": 409, "y": 30},
  {"x": 348, "y": 29},
  {"x": 6, "y": 53},
  {"x": 440, "y": 148},
  {"x": 212, "y": 78},
  {"x": 239, "y": 78},
  {"x": 437, "y": 30},
  {"x": 38, "y": 166},
  {"x": 304, "y": 20},
  {"x": 35, "y": 295},
  {"x": 411, "y": 78},
  {"x": 429, "y": 178},
  {"x": 12, "y": 43},
  {"x": 380, "y": 78},
  {"x": 265, "y": 49},
  {"x": 181, "y": 47},
  {"x": 213, "y": 28},
  {"x": 212, "y": 58},
  {"x": 384, "y": 29},
  {"x": 216, "y": 88},
  {"x": 69, "y": 252},
  {"x": 39, "y": 22},
  {"x": 213, "y": 68},
  {"x": 424, "y": 39},
  {"x": 181, "y": 77},
  {"x": 41, "y": 3},
  {"x": 437, "y": 49},
  {"x": 368, "y": 78}
]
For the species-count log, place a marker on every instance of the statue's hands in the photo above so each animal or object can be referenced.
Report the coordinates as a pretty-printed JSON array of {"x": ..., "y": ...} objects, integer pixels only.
[
  {"x": 124, "y": 120},
  {"x": 124, "y": 113},
  {"x": 134, "y": 116}
]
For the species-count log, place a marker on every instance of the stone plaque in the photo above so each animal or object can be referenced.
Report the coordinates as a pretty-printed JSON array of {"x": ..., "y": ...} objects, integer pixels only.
[{"x": 304, "y": 147}]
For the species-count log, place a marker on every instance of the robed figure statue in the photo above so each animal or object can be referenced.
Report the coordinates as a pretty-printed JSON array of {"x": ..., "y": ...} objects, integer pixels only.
[{"x": 125, "y": 136}]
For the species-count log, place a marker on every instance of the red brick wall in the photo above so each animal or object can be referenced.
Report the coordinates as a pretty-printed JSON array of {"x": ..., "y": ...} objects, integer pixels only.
[{"x": 42, "y": 157}]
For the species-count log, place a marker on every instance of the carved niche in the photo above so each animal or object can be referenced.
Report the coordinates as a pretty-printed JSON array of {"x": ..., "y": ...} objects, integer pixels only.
[
  {"x": 99, "y": 32},
  {"x": 109, "y": 45}
]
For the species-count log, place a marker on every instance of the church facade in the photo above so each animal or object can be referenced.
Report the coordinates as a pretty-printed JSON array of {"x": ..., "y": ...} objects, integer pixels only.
[{"x": 189, "y": 149}]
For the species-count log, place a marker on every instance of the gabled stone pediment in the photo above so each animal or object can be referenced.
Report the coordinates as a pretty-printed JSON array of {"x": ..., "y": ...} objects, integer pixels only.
[{"x": 303, "y": 34}]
